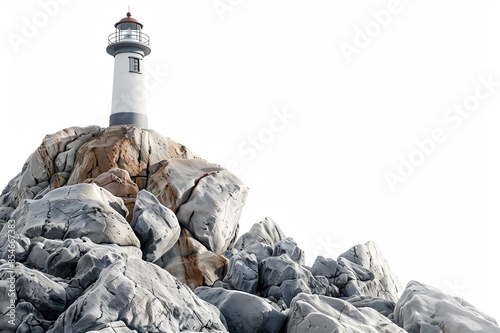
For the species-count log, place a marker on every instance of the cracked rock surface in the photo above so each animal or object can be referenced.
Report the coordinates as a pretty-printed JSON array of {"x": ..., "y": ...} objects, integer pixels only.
[
  {"x": 144, "y": 297},
  {"x": 423, "y": 308},
  {"x": 206, "y": 198},
  {"x": 313, "y": 313},
  {"x": 121, "y": 230}
]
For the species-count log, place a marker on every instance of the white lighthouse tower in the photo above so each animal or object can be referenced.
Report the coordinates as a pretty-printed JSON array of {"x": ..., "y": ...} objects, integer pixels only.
[{"x": 128, "y": 45}]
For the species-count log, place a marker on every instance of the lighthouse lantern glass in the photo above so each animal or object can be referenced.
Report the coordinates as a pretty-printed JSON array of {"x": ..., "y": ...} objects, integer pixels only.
[
  {"x": 129, "y": 30},
  {"x": 128, "y": 25}
]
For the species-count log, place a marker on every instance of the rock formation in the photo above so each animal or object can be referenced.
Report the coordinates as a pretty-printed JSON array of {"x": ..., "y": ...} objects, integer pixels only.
[{"x": 120, "y": 229}]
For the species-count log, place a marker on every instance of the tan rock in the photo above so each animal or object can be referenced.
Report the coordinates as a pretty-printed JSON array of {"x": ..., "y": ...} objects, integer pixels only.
[
  {"x": 49, "y": 166},
  {"x": 118, "y": 182},
  {"x": 136, "y": 150},
  {"x": 192, "y": 263}
]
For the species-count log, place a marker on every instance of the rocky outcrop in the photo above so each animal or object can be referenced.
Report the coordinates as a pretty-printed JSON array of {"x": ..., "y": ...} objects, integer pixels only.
[
  {"x": 49, "y": 166},
  {"x": 111, "y": 230},
  {"x": 136, "y": 150},
  {"x": 423, "y": 309},
  {"x": 76, "y": 154},
  {"x": 373, "y": 274}
]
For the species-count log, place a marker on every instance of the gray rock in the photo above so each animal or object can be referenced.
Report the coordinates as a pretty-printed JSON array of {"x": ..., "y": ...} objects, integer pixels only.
[
  {"x": 423, "y": 309},
  {"x": 142, "y": 296},
  {"x": 74, "y": 212},
  {"x": 5, "y": 214},
  {"x": 155, "y": 225},
  {"x": 95, "y": 258},
  {"x": 114, "y": 327},
  {"x": 313, "y": 313},
  {"x": 287, "y": 290},
  {"x": 244, "y": 313},
  {"x": 260, "y": 239},
  {"x": 13, "y": 244},
  {"x": 326, "y": 267},
  {"x": 382, "y": 306},
  {"x": 37, "y": 256},
  {"x": 27, "y": 319},
  {"x": 274, "y": 270},
  {"x": 371, "y": 271},
  {"x": 243, "y": 272},
  {"x": 42, "y": 291},
  {"x": 64, "y": 259},
  {"x": 289, "y": 246},
  {"x": 283, "y": 279},
  {"x": 206, "y": 198}
]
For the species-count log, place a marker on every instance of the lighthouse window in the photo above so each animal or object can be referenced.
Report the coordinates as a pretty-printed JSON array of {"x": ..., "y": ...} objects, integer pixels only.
[{"x": 134, "y": 65}]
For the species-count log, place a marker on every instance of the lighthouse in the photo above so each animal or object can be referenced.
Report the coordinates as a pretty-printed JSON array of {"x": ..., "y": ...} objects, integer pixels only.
[{"x": 128, "y": 45}]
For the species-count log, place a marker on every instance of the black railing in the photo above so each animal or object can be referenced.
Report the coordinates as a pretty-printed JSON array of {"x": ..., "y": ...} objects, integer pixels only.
[{"x": 123, "y": 35}]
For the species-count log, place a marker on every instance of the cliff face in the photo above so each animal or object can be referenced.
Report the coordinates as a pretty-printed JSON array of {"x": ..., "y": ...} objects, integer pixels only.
[{"x": 120, "y": 229}]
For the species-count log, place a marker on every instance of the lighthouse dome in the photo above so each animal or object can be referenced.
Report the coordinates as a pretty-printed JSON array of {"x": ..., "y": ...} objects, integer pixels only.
[{"x": 128, "y": 23}]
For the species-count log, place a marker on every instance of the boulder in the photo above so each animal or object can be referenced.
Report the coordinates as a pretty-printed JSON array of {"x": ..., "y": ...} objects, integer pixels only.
[
  {"x": 74, "y": 212},
  {"x": 314, "y": 313},
  {"x": 46, "y": 294},
  {"x": 373, "y": 276},
  {"x": 155, "y": 225},
  {"x": 63, "y": 260},
  {"x": 206, "y": 198},
  {"x": 289, "y": 246},
  {"x": 260, "y": 239},
  {"x": 283, "y": 279},
  {"x": 243, "y": 272},
  {"x": 423, "y": 309},
  {"x": 382, "y": 306},
  {"x": 142, "y": 296},
  {"x": 244, "y": 313}
]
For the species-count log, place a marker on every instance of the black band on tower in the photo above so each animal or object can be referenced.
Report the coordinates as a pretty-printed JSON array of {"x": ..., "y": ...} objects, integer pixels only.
[{"x": 128, "y": 118}]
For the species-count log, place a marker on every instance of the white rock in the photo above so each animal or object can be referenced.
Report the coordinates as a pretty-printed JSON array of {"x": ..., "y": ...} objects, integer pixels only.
[
  {"x": 260, "y": 239},
  {"x": 74, "y": 212},
  {"x": 206, "y": 198},
  {"x": 313, "y": 313},
  {"x": 373, "y": 274},
  {"x": 144, "y": 297},
  {"x": 155, "y": 225},
  {"x": 424, "y": 309}
]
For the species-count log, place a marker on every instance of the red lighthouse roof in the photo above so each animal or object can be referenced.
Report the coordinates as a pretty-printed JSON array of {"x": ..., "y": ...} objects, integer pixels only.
[{"x": 129, "y": 19}]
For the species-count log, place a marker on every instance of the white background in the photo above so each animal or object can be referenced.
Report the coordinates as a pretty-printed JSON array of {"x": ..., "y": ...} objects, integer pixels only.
[{"x": 321, "y": 176}]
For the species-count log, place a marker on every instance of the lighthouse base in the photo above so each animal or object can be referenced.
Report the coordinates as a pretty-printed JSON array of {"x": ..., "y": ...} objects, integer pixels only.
[{"x": 128, "y": 118}]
